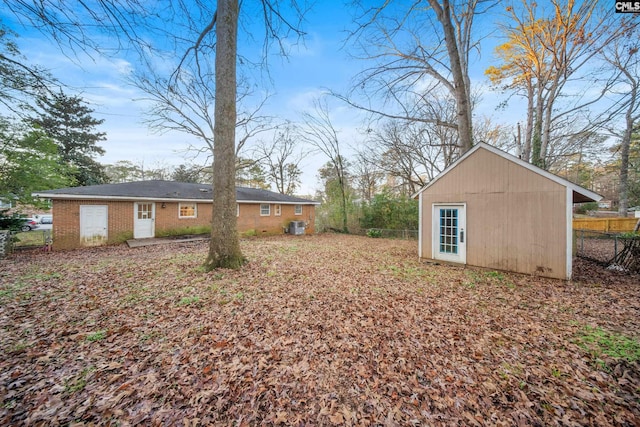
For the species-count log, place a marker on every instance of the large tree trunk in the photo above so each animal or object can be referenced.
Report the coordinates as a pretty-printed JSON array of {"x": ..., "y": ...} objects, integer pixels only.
[
  {"x": 526, "y": 151},
  {"x": 536, "y": 140},
  {"x": 224, "y": 250},
  {"x": 623, "y": 193},
  {"x": 458, "y": 71},
  {"x": 626, "y": 143}
]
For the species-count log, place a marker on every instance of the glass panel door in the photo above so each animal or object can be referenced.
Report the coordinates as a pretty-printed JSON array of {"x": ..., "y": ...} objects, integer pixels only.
[
  {"x": 448, "y": 228},
  {"x": 449, "y": 231}
]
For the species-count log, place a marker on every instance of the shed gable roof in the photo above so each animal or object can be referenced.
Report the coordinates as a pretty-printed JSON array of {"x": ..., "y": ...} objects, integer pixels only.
[
  {"x": 167, "y": 191},
  {"x": 580, "y": 194}
]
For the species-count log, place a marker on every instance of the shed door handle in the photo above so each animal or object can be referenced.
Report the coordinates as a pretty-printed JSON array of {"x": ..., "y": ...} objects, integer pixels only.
[{"x": 461, "y": 236}]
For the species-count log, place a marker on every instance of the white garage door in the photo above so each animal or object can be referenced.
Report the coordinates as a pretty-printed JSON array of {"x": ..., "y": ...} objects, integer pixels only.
[{"x": 93, "y": 225}]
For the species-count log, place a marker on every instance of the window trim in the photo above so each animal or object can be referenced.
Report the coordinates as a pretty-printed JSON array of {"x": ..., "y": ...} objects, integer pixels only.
[
  {"x": 195, "y": 210},
  {"x": 295, "y": 210},
  {"x": 268, "y": 209},
  {"x": 277, "y": 210}
]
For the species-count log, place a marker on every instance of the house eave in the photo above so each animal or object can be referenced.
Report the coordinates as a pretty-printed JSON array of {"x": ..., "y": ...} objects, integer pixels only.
[
  {"x": 116, "y": 198},
  {"x": 274, "y": 202},
  {"x": 156, "y": 199}
]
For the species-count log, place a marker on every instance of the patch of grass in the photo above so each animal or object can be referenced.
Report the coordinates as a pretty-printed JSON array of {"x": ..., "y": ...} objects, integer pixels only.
[
  {"x": 287, "y": 249},
  {"x": 495, "y": 275},
  {"x": 408, "y": 272},
  {"x": 473, "y": 279},
  {"x": 97, "y": 336},
  {"x": 10, "y": 404},
  {"x": 10, "y": 291},
  {"x": 44, "y": 276},
  {"x": 79, "y": 382},
  {"x": 507, "y": 370},
  {"x": 153, "y": 335},
  {"x": 189, "y": 300},
  {"x": 476, "y": 278},
  {"x": 249, "y": 233},
  {"x": 29, "y": 238},
  {"x": 598, "y": 342},
  {"x": 499, "y": 279},
  {"x": 184, "y": 231},
  {"x": 18, "y": 348}
]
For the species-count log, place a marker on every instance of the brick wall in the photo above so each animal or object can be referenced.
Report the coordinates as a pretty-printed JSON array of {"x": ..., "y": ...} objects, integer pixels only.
[
  {"x": 167, "y": 218},
  {"x": 250, "y": 219},
  {"x": 66, "y": 229}
]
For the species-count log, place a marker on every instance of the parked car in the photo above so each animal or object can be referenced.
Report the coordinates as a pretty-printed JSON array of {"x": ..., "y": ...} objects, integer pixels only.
[
  {"x": 29, "y": 224},
  {"x": 46, "y": 219}
]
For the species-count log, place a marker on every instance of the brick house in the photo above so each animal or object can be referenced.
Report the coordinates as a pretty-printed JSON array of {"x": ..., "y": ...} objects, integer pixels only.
[{"x": 113, "y": 213}]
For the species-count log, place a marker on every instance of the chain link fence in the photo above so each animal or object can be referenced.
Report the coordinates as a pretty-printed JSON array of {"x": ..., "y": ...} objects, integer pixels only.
[
  {"x": 33, "y": 239},
  {"x": 392, "y": 234},
  {"x": 611, "y": 250}
]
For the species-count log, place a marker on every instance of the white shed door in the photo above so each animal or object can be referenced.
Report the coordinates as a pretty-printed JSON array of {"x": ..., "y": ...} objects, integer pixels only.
[
  {"x": 93, "y": 225},
  {"x": 449, "y": 234},
  {"x": 144, "y": 215}
]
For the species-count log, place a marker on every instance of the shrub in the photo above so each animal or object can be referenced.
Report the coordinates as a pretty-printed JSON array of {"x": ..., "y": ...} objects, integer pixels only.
[
  {"x": 374, "y": 233},
  {"x": 12, "y": 222},
  {"x": 586, "y": 207},
  {"x": 389, "y": 212}
]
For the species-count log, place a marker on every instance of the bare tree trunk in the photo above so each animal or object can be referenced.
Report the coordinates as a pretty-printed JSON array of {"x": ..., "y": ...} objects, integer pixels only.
[
  {"x": 343, "y": 194},
  {"x": 224, "y": 249},
  {"x": 458, "y": 70},
  {"x": 630, "y": 119},
  {"x": 624, "y": 169},
  {"x": 526, "y": 152},
  {"x": 536, "y": 140}
]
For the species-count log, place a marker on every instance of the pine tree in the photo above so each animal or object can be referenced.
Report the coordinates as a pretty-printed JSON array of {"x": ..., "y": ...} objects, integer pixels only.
[{"x": 68, "y": 121}]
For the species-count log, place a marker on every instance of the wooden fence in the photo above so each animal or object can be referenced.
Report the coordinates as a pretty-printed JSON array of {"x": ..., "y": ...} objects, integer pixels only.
[{"x": 605, "y": 225}]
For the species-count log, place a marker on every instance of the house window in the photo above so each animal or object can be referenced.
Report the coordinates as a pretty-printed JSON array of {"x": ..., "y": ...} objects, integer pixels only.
[
  {"x": 298, "y": 210},
  {"x": 265, "y": 209},
  {"x": 145, "y": 210},
  {"x": 277, "y": 210},
  {"x": 188, "y": 210}
]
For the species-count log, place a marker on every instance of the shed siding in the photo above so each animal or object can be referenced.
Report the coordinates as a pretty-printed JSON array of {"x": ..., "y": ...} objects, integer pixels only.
[
  {"x": 516, "y": 219},
  {"x": 66, "y": 229}
]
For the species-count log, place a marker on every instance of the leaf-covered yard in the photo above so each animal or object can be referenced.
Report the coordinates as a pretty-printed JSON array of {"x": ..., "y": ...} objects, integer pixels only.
[{"x": 316, "y": 330}]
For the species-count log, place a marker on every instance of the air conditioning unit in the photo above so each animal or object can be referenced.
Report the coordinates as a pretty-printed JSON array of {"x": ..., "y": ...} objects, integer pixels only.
[{"x": 297, "y": 227}]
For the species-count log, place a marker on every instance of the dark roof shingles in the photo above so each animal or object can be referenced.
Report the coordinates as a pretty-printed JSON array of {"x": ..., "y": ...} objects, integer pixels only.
[{"x": 170, "y": 190}]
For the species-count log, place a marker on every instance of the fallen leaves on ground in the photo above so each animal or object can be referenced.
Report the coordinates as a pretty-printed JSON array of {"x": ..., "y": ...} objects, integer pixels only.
[{"x": 326, "y": 330}]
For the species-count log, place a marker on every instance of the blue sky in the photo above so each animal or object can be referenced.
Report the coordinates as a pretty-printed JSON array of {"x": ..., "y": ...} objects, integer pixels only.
[
  {"x": 311, "y": 67},
  {"x": 317, "y": 64}
]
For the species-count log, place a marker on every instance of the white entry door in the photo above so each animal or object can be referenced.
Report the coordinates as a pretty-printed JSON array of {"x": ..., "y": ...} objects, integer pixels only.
[
  {"x": 449, "y": 234},
  {"x": 93, "y": 225},
  {"x": 144, "y": 216}
]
